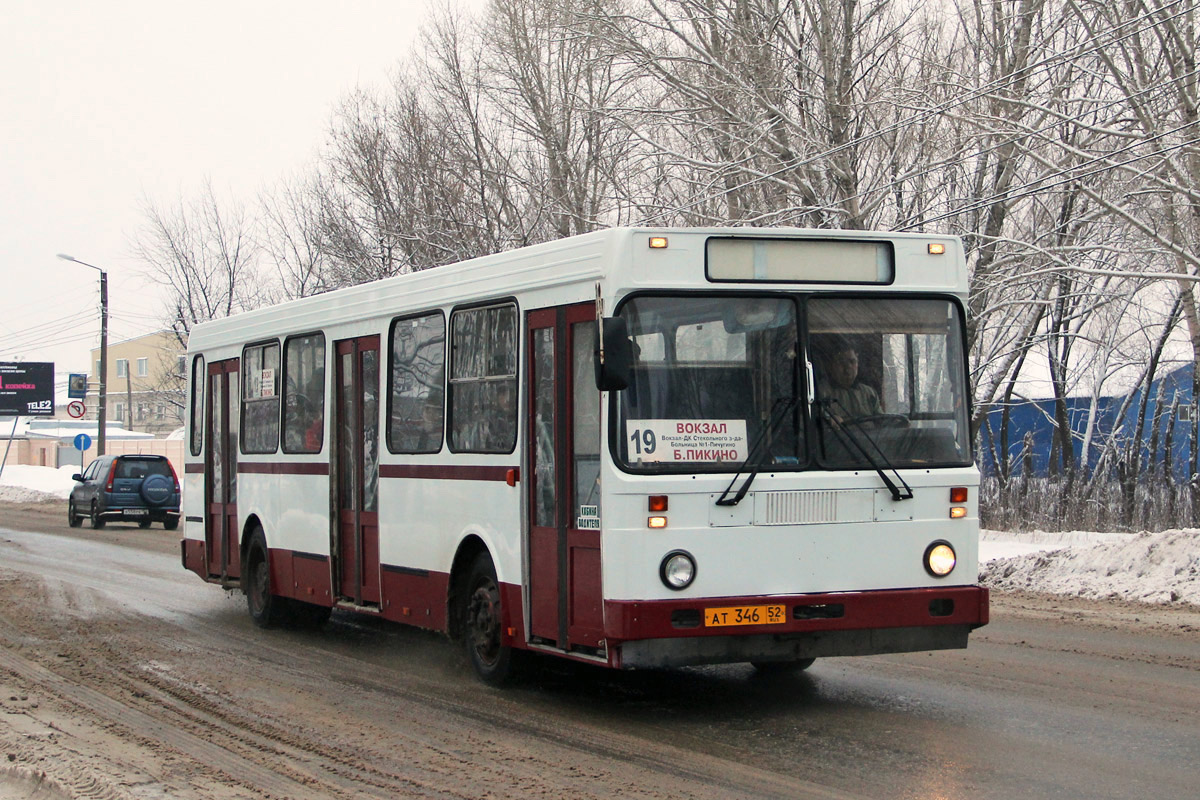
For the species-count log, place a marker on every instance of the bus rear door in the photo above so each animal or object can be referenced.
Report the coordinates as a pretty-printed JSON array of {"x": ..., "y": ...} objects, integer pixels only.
[
  {"x": 220, "y": 528},
  {"x": 356, "y": 432}
]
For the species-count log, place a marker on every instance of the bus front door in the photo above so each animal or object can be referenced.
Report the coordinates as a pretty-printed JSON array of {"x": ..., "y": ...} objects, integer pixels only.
[
  {"x": 357, "y": 470},
  {"x": 565, "y": 597},
  {"x": 220, "y": 483}
]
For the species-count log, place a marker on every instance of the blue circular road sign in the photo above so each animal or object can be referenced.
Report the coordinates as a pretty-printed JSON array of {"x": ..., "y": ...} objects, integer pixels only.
[{"x": 83, "y": 442}]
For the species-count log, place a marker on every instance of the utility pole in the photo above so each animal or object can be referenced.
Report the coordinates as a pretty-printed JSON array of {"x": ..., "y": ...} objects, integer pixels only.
[{"x": 102, "y": 405}]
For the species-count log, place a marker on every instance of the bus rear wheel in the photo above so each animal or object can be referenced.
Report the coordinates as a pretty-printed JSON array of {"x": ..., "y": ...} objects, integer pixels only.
[
  {"x": 266, "y": 609},
  {"x": 483, "y": 618}
]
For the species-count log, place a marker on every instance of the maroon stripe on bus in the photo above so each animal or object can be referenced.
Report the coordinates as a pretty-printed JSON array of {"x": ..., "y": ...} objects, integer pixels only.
[
  {"x": 194, "y": 467},
  {"x": 444, "y": 472},
  {"x": 283, "y": 467}
]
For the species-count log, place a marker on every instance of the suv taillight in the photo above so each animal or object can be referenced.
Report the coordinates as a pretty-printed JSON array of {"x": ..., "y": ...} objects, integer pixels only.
[
  {"x": 174, "y": 477},
  {"x": 112, "y": 473}
]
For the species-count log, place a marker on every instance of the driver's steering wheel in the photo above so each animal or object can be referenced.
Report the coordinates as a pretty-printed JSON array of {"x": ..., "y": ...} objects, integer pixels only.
[{"x": 882, "y": 420}]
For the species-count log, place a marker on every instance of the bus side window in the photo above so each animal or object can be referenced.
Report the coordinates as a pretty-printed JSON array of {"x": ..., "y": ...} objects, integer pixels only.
[
  {"x": 418, "y": 372},
  {"x": 260, "y": 398},
  {"x": 304, "y": 394},
  {"x": 199, "y": 384},
  {"x": 483, "y": 380}
]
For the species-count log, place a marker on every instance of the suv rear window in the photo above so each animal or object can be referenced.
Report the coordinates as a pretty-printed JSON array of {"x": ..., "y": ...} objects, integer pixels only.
[{"x": 142, "y": 467}]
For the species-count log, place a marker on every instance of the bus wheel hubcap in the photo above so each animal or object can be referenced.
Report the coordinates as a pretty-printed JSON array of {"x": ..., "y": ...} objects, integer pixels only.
[
  {"x": 483, "y": 618},
  {"x": 259, "y": 586}
]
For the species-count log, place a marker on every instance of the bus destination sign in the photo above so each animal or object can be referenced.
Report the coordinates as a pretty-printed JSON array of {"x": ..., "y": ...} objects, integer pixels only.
[
  {"x": 27, "y": 388},
  {"x": 707, "y": 440}
]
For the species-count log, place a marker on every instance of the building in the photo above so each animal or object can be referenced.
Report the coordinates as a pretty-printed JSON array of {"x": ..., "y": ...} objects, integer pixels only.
[
  {"x": 146, "y": 383},
  {"x": 1026, "y": 445},
  {"x": 51, "y": 443}
]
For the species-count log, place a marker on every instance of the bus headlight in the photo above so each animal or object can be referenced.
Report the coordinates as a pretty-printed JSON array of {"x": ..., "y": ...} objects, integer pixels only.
[
  {"x": 940, "y": 559},
  {"x": 678, "y": 570}
]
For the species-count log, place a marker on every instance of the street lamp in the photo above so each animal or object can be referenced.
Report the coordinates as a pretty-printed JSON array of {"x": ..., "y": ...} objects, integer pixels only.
[{"x": 102, "y": 406}]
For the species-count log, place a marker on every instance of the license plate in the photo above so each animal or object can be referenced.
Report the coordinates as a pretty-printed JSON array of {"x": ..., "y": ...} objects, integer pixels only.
[
  {"x": 135, "y": 512},
  {"x": 744, "y": 615}
]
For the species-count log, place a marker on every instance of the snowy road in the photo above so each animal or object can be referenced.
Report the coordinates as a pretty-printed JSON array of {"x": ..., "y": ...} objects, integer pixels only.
[{"x": 123, "y": 676}]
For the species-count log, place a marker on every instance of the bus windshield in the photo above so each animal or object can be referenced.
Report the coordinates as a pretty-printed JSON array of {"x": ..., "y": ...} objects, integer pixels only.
[
  {"x": 708, "y": 372},
  {"x": 889, "y": 372},
  {"x": 715, "y": 379}
]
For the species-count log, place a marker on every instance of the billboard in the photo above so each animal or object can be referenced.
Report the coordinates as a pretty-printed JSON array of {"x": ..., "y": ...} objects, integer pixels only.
[{"x": 27, "y": 388}]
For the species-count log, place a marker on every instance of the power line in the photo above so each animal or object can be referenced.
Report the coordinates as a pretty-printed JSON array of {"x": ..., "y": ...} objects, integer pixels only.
[{"x": 47, "y": 332}]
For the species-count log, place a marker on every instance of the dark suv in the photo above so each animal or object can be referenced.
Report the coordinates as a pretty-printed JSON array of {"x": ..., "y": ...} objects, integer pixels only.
[{"x": 134, "y": 488}]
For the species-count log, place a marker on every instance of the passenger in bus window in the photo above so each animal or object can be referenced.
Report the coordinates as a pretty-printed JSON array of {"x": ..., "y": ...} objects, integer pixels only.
[
  {"x": 429, "y": 437},
  {"x": 314, "y": 433},
  {"x": 501, "y": 423},
  {"x": 847, "y": 396}
]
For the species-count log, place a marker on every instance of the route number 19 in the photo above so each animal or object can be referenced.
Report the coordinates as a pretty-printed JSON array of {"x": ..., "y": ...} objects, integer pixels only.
[{"x": 643, "y": 442}]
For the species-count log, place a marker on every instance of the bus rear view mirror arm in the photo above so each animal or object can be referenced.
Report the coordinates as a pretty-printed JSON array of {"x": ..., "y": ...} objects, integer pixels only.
[{"x": 614, "y": 355}]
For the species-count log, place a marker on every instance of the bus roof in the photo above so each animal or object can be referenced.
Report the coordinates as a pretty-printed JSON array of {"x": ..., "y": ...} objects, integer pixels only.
[{"x": 576, "y": 260}]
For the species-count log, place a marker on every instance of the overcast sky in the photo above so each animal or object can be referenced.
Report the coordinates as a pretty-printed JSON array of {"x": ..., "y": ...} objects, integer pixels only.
[{"x": 105, "y": 103}]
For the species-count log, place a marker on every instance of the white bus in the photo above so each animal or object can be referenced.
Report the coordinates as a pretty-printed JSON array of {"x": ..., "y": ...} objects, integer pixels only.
[{"x": 636, "y": 447}]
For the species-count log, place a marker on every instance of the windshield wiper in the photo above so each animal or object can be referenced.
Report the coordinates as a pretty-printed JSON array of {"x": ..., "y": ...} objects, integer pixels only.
[
  {"x": 846, "y": 434},
  {"x": 780, "y": 408}
]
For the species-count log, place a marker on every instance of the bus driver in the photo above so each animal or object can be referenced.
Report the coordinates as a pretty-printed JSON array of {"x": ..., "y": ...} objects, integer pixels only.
[{"x": 848, "y": 397}]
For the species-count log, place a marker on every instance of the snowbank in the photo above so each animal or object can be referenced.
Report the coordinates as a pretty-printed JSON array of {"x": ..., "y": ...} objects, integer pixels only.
[
  {"x": 1002, "y": 544},
  {"x": 1146, "y": 567},
  {"x": 25, "y": 484}
]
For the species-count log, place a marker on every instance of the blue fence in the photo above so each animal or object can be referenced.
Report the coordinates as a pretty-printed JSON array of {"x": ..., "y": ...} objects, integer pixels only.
[{"x": 1032, "y": 424}]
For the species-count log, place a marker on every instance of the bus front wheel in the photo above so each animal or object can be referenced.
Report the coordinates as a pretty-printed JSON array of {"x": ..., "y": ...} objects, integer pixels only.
[
  {"x": 782, "y": 667},
  {"x": 483, "y": 619}
]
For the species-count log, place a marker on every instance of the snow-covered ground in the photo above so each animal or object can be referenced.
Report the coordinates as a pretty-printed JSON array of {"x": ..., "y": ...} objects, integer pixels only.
[{"x": 1144, "y": 567}]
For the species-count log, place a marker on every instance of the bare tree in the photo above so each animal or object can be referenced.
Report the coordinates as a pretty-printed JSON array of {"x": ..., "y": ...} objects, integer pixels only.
[
  {"x": 551, "y": 77},
  {"x": 204, "y": 251},
  {"x": 293, "y": 238},
  {"x": 1057, "y": 137}
]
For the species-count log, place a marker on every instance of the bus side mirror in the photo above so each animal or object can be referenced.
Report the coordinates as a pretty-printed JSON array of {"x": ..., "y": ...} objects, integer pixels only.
[{"x": 614, "y": 362}]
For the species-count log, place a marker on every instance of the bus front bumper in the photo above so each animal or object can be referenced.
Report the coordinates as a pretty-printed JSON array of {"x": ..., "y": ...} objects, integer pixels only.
[{"x": 671, "y": 633}]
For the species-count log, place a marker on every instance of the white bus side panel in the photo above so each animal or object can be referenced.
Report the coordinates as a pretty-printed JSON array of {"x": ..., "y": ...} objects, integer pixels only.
[{"x": 423, "y": 521}]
